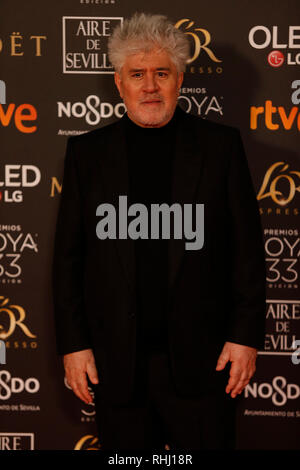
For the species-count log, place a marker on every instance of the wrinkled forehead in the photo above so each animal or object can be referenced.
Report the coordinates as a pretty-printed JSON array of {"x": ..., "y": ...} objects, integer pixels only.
[{"x": 149, "y": 59}]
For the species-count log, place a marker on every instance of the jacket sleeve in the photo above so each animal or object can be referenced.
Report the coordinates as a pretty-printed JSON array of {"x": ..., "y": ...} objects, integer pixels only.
[
  {"x": 68, "y": 263},
  {"x": 248, "y": 274}
]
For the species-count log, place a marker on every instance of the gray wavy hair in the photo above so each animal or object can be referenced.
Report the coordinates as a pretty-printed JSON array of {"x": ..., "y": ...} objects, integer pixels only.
[{"x": 144, "y": 32}]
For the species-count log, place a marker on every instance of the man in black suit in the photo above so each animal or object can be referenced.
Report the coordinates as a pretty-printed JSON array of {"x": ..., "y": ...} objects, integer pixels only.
[{"x": 155, "y": 327}]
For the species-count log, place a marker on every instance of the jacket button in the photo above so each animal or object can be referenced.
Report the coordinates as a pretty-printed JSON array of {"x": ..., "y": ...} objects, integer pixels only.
[{"x": 131, "y": 314}]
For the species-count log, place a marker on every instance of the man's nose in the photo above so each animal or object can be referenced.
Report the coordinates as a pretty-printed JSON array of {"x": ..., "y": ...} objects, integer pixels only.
[{"x": 150, "y": 84}]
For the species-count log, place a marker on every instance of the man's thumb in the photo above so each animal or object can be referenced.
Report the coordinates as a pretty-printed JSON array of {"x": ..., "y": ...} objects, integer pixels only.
[
  {"x": 92, "y": 374},
  {"x": 222, "y": 361}
]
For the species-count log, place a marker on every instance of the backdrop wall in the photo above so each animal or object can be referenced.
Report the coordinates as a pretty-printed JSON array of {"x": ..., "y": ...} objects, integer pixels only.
[{"x": 56, "y": 81}]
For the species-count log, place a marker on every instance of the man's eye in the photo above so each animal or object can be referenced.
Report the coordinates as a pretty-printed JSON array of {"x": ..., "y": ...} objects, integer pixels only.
[
  {"x": 162, "y": 74},
  {"x": 137, "y": 75}
]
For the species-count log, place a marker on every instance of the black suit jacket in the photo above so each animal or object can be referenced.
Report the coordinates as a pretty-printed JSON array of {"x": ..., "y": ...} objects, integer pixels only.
[{"x": 216, "y": 294}]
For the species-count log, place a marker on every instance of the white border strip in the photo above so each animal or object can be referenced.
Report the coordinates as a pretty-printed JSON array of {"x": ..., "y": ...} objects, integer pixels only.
[
  {"x": 275, "y": 353},
  {"x": 30, "y": 434},
  {"x": 121, "y": 18},
  {"x": 266, "y": 353}
]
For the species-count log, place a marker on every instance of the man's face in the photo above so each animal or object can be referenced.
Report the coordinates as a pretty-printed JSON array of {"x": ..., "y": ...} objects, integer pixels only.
[{"x": 149, "y": 85}]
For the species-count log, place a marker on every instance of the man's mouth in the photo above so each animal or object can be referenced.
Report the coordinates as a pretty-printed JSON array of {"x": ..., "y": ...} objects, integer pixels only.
[{"x": 151, "y": 102}]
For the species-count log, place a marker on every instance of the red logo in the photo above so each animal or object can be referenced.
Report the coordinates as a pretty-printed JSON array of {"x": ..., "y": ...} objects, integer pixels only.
[{"x": 276, "y": 58}]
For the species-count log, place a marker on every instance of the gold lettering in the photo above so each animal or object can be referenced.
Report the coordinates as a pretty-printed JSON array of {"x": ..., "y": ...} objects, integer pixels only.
[
  {"x": 19, "y": 322},
  {"x": 198, "y": 45},
  {"x": 38, "y": 44},
  {"x": 266, "y": 179},
  {"x": 93, "y": 444},
  {"x": 55, "y": 185},
  {"x": 13, "y": 321},
  {"x": 12, "y": 324},
  {"x": 274, "y": 193},
  {"x": 14, "y": 44}
]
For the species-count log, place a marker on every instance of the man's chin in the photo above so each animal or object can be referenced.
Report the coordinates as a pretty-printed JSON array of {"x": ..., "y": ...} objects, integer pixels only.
[{"x": 151, "y": 119}]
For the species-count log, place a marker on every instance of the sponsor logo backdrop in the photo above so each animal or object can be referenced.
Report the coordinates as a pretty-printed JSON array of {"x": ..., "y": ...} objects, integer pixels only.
[{"x": 56, "y": 81}]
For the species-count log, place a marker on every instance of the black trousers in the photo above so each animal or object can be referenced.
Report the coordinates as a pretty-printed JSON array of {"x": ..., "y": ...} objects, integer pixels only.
[{"x": 157, "y": 417}]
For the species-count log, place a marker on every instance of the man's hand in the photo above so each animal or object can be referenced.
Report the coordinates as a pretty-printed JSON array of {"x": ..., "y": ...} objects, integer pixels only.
[
  {"x": 242, "y": 368},
  {"x": 77, "y": 365}
]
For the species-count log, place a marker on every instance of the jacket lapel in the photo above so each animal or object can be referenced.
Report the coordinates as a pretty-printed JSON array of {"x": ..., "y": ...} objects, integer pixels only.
[
  {"x": 186, "y": 174},
  {"x": 116, "y": 184}
]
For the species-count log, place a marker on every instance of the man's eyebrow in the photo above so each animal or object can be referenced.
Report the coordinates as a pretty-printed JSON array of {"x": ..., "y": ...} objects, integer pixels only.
[{"x": 142, "y": 70}]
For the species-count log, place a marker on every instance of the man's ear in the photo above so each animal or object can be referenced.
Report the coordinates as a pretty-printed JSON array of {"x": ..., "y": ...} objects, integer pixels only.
[
  {"x": 118, "y": 83},
  {"x": 180, "y": 79}
]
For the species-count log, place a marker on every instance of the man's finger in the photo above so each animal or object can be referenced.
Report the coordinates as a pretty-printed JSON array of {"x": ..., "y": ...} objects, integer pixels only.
[
  {"x": 83, "y": 388},
  {"x": 79, "y": 386},
  {"x": 82, "y": 393},
  {"x": 239, "y": 378},
  {"x": 78, "y": 393},
  {"x": 235, "y": 376},
  {"x": 222, "y": 361},
  {"x": 92, "y": 373},
  {"x": 244, "y": 380},
  {"x": 239, "y": 387}
]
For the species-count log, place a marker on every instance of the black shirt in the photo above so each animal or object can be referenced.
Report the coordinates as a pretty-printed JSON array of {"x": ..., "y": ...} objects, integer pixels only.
[{"x": 150, "y": 153}]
